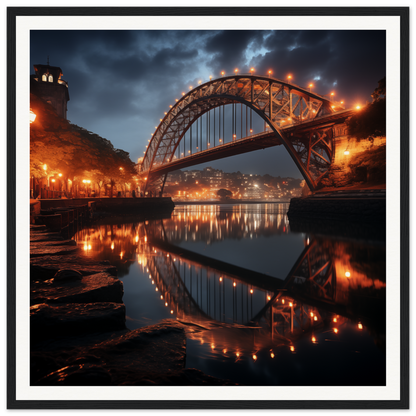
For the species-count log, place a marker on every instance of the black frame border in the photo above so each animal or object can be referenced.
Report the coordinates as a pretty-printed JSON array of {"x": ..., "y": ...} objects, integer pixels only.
[{"x": 13, "y": 10}]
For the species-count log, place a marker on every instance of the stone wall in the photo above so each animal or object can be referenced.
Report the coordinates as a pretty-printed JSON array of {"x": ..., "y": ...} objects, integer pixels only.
[{"x": 356, "y": 162}]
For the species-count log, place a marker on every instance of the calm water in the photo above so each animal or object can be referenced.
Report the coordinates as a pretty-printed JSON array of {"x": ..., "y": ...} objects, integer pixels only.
[{"x": 267, "y": 306}]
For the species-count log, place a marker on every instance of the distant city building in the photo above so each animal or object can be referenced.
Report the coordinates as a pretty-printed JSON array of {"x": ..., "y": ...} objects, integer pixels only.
[{"x": 47, "y": 83}]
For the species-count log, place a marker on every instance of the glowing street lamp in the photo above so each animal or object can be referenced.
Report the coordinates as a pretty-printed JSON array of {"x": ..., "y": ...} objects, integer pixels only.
[
  {"x": 289, "y": 77},
  {"x": 236, "y": 70},
  {"x": 222, "y": 73},
  {"x": 32, "y": 116},
  {"x": 310, "y": 87},
  {"x": 270, "y": 73},
  {"x": 251, "y": 71},
  {"x": 210, "y": 77}
]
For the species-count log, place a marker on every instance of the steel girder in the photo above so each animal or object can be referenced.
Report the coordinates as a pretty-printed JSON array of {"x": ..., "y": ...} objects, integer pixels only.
[{"x": 279, "y": 103}]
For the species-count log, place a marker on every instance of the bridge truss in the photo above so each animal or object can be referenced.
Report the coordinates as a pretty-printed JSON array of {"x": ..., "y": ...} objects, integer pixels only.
[{"x": 281, "y": 105}]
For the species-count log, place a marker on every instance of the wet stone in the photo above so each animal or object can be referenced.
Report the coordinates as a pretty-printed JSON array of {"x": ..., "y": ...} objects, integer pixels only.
[
  {"x": 51, "y": 321},
  {"x": 78, "y": 375},
  {"x": 44, "y": 268},
  {"x": 69, "y": 275},
  {"x": 72, "y": 287},
  {"x": 40, "y": 250},
  {"x": 53, "y": 243},
  {"x": 37, "y": 237}
]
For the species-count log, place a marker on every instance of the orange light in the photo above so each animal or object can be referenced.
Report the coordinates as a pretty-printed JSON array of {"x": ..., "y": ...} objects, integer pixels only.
[
  {"x": 346, "y": 153},
  {"x": 360, "y": 325},
  {"x": 156, "y": 289},
  {"x": 315, "y": 318},
  {"x": 272, "y": 354},
  {"x": 310, "y": 85},
  {"x": 292, "y": 348},
  {"x": 171, "y": 106},
  {"x": 290, "y": 304},
  {"x": 251, "y": 130},
  {"x": 161, "y": 296},
  {"x": 183, "y": 93},
  {"x": 190, "y": 87},
  {"x": 166, "y": 113},
  {"x": 59, "y": 174},
  {"x": 332, "y": 106},
  {"x": 313, "y": 339},
  {"x": 269, "y": 297},
  {"x": 237, "y": 354},
  {"x": 251, "y": 291},
  {"x": 220, "y": 279},
  {"x": 270, "y": 72},
  {"x": 199, "y": 82},
  {"x": 171, "y": 311},
  {"x": 252, "y": 70},
  {"x": 283, "y": 301},
  {"x": 289, "y": 77},
  {"x": 166, "y": 304},
  {"x": 358, "y": 107},
  {"x": 222, "y": 73},
  {"x": 336, "y": 330},
  {"x": 145, "y": 180},
  {"x": 332, "y": 93},
  {"x": 236, "y": 70},
  {"x": 210, "y": 77},
  {"x": 224, "y": 351},
  {"x": 254, "y": 357},
  {"x": 53, "y": 180},
  {"x": 335, "y": 320},
  {"x": 234, "y": 284},
  {"x": 347, "y": 274},
  {"x": 176, "y": 100},
  {"x": 311, "y": 314},
  {"x": 342, "y": 102}
]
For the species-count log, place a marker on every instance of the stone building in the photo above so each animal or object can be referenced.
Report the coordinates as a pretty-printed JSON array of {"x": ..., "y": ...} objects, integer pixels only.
[{"x": 47, "y": 83}]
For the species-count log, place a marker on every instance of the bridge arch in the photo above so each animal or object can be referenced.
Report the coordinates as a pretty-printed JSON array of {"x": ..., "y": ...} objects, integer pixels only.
[{"x": 278, "y": 103}]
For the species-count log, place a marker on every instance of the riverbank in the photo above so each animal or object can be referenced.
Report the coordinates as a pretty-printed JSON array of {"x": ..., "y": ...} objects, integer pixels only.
[
  {"x": 78, "y": 325},
  {"x": 363, "y": 205},
  {"x": 232, "y": 201}
]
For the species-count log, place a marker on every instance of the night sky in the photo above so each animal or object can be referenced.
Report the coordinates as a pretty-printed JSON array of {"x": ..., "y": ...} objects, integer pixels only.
[{"x": 122, "y": 82}]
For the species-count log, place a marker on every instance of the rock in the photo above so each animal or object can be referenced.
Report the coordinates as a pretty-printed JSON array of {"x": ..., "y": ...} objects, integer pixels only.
[
  {"x": 54, "y": 243},
  {"x": 100, "y": 287},
  {"x": 67, "y": 275},
  {"x": 51, "y": 321},
  {"x": 44, "y": 268},
  {"x": 34, "y": 237},
  {"x": 40, "y": 250},
  {"x": 78, "y": 375}
]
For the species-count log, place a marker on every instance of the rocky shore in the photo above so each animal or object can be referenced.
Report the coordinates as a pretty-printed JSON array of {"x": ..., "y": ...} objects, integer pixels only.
[{"x": 78, "y": 330}]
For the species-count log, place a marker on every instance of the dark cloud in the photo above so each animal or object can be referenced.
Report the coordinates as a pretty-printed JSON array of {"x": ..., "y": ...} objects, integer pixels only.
[{"x": 122, "y": 82}]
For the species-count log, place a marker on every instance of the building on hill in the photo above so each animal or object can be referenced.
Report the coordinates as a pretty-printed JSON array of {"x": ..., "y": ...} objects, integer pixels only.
[{"x": 47, "y": 83}]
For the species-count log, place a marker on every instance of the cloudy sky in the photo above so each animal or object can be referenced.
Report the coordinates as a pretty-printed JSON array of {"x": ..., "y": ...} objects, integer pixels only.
[{"x": 122, "y": 82}]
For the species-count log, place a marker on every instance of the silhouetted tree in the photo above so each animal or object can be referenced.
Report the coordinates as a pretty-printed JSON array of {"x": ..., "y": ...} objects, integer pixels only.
[{"x": 370, "y": 122}]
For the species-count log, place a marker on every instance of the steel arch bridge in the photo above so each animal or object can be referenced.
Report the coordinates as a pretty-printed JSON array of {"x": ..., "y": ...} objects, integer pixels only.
[{"x": 280, "y": 104}]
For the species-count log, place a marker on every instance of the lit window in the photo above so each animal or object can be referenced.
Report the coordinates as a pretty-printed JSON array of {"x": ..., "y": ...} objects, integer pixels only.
[
  {"x": 50, "y": 78},
  {"x": 44, "y": 78}
]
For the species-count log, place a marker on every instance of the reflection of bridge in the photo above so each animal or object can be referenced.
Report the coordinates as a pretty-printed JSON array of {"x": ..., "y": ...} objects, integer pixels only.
[
  {"x": 311, "y": 296},
  {"x": 304, "y": 122}
]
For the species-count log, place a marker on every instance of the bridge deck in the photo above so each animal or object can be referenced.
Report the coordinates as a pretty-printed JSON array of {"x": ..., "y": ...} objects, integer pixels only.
[{"x": 244, "y": 145}]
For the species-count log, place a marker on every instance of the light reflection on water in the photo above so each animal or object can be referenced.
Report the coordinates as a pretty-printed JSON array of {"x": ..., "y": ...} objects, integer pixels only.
[{"x": 262, "y": 305}]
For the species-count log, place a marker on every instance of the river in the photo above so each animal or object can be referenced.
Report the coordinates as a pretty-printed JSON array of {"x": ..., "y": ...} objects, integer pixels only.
[{"x": 264, "y": 305}]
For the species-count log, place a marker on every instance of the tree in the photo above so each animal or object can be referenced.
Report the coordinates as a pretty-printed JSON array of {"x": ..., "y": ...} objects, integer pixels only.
[
  {"x": 224, "y": 193},
  {"x": 370, "y": 122}
]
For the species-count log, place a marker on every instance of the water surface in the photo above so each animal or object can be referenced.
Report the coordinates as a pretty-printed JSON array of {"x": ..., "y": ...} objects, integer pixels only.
[{"x": 265, "y": 306}]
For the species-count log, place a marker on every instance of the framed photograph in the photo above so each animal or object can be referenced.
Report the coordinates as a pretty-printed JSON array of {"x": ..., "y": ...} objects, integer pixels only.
[{"x": 217, "y": 210}]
